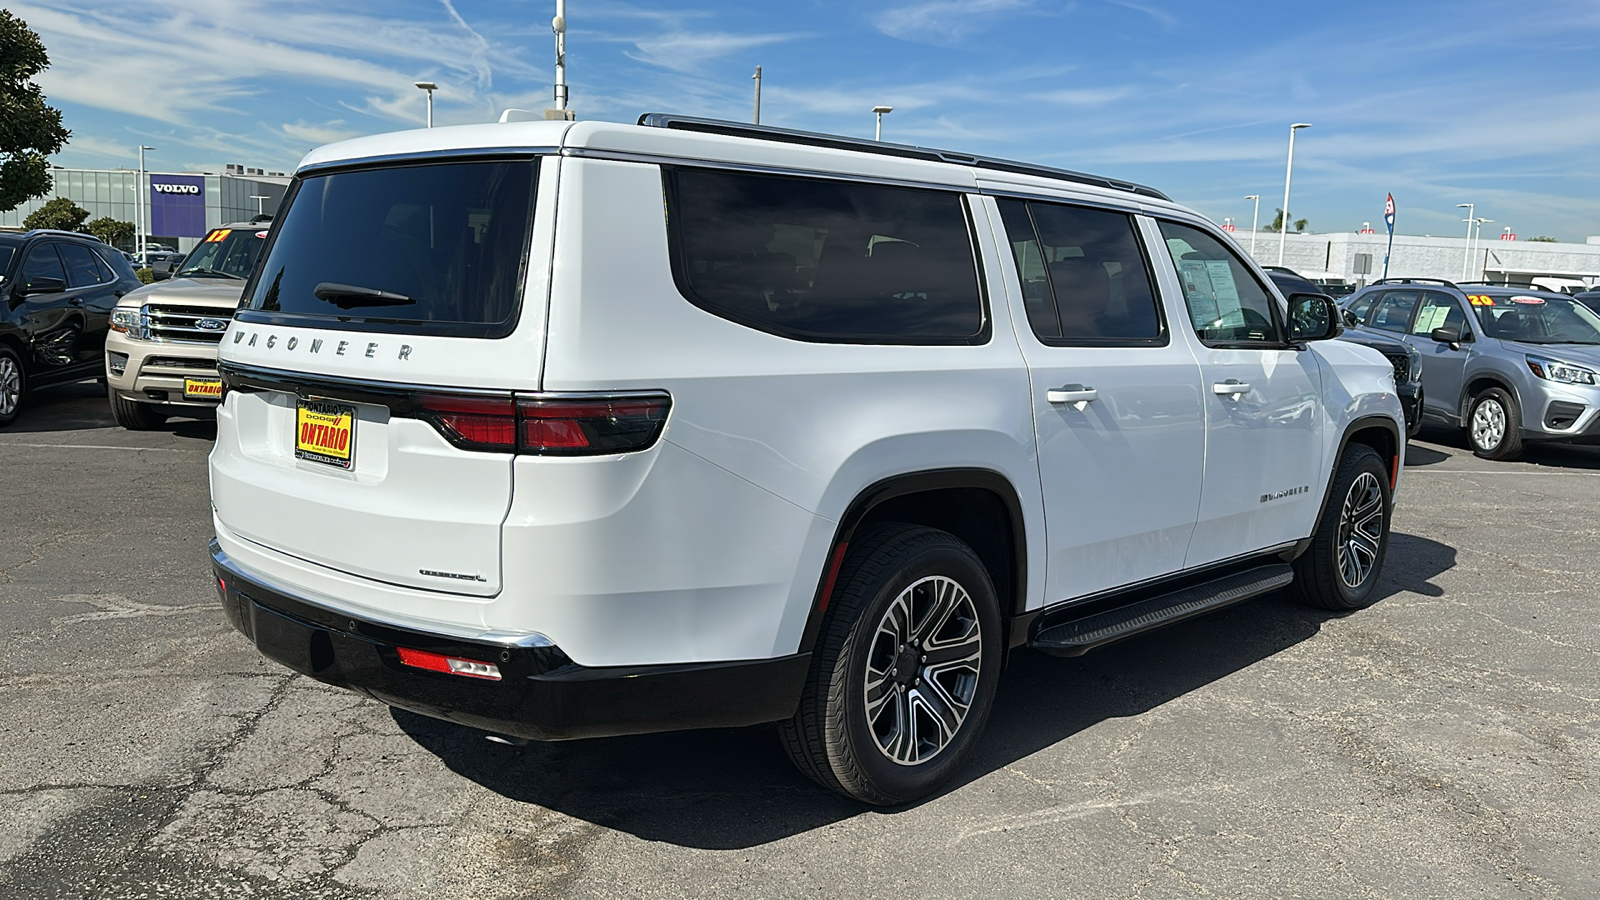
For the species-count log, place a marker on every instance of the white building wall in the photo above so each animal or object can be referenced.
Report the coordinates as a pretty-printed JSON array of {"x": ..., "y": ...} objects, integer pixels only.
[{"x": 1335, "y": 256}]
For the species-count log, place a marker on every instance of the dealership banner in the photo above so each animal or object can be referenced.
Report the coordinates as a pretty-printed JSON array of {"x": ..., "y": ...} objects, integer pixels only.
[{"x": 178, "y": 205}]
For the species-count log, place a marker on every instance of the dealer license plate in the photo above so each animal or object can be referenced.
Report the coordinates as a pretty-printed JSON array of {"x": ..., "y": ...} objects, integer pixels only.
[
  {"x": 202, "y": 389},
  {"x": 325, "y": 432}
]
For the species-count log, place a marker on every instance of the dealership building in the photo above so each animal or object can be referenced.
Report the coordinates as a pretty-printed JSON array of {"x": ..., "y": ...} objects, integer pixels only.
[
  {"x": 179, "y": 207},
  {"x": 1358, "y": 258}
]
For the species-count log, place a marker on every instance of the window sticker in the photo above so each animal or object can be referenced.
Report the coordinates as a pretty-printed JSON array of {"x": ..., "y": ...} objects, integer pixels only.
[
  {"x": 1480, "y": 300},
  {"x": 221, "y": 234},
  {"x": 1530, "y": 301},
  {"x": 1431, "y": 318}
]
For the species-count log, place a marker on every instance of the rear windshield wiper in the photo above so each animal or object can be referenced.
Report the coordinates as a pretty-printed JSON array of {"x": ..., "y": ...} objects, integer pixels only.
[{"x": 347, "y": 296}]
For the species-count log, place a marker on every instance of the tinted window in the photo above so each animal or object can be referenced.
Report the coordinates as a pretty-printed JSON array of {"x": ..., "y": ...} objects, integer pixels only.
[
  {"x": 1226, "y": 303},
  {"x": 115, "y": 263},
  {"x": 1537, "y": 319},
  {"x": 1084, "y": 279},
  {"x": 420, "y": 249},
  {"x": 1360, "y": 306},
  {"x": 1393, "y": 312},
  {"x": 225, "y": 251},
  {"x": 1439, "y": 311},
  {"x": 826, "y": 260},
  {"x": 6, "y": 252},
  {"x": 83, "y": 269},
  {"x": 42, "y": 262}
]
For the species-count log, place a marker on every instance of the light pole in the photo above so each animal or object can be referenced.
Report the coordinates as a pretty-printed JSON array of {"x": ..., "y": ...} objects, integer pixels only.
[
  {"x": 880, "y": 110},
  {"x": 559, "y": 26},
  {"x": 259, "y": 199},
  {"x": 139, "y": 197},
  {"x": 1254, "y": 218},
  {"x": 1477, "y": 232},
  {"x": 757, "y": 78},
  {"x": 430, "y": 87},
  {"x": 1466, "y": 257},
  {"x": 1283, "y": 232}
]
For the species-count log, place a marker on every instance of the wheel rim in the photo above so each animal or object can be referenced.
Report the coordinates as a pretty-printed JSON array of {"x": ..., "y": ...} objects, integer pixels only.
[
  {"x": 10, "y": 385},
  {"x": 1360, "y": 530},
  {"x": 922, "y": 670},
  {"x": 1488, "y": 424}
]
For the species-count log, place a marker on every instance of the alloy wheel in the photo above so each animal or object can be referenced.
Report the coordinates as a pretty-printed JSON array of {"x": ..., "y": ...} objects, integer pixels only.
[
  {"x": 1360, "y": 530},
  {"x": 10, "y": 386},
  {"x": 1488, "y": 424},
  {"x": 922, "y": 671}
]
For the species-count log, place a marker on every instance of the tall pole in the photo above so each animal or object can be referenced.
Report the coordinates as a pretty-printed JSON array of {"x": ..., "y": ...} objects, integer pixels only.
[
  {"x": 559, "y": 26},
  {"x": 1477, "y": 243},
  {"x": 1288, "y": 173},
  {"x": 1466, "y": 258},
  {"x": 879, "y": 111},
  {"x": 757, "y": 77},
  {"x": 430, "y": 87},
  {"x": 260, "y": 199},
  {"x": 1254, "y": 218},
  {"x": 139, "y": 196}
]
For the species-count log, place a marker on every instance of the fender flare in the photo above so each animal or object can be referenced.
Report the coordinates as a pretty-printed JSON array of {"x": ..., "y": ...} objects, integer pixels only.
[
  {"x": 1396, "y": 434},
  {"x": 1500, "y": 381},
  {"x": 903, "y": 485}
]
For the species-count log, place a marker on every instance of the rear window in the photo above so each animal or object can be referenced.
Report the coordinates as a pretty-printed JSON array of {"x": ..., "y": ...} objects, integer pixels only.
[
  {"x": 225, "y": 253},
  {"x": 435, "y": 249},
  {"x": 827, "y": 261}
]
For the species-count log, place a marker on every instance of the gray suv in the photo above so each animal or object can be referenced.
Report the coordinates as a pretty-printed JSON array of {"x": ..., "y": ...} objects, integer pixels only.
[{"x": 1509, "y": 364}]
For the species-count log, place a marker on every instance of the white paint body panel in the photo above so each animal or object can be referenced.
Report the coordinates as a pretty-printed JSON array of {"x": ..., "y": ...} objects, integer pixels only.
[{"x": 711, "y": 544}]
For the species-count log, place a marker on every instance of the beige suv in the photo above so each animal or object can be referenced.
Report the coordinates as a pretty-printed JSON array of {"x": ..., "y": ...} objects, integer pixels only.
[{"x": 161, "y": 354}]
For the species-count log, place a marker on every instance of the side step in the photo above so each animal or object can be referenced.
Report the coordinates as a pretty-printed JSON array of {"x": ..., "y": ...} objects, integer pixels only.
[{"x": 1075, "y": 637}]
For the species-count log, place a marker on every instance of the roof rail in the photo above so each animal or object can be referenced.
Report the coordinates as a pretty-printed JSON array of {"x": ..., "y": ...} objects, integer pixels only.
[
  {"x": 1508, "y": 284},
  {"x": 1439, "y": 281},
  {"x": 76, "y": 234},
  {"x": 881, "y": 148}
]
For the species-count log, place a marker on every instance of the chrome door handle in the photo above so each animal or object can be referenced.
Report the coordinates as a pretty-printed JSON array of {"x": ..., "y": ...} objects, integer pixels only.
[
  {"x": 1072, "y": 393},
  {"x": 1232, "y": 387}
]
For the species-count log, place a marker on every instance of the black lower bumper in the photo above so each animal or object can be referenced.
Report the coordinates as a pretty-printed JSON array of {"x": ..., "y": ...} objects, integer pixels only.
[
  {"x": 1411, "y": 404},
  {"x": 541, "y": 695}
]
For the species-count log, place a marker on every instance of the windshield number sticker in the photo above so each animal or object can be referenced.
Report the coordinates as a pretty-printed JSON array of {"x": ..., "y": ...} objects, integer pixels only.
[
  {"x": 218, "y": 236},
  {"x": 1480, "y": 300}
]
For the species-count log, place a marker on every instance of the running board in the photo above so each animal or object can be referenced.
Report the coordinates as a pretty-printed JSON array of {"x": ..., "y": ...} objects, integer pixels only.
[{"x": 1075, "y": 637}]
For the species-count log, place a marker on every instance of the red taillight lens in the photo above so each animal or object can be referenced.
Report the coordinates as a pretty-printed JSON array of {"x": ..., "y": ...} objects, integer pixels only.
[
  {"x": 476, "y": 423},
  {"x": 449, "y": 665},
  {"x": 583, "y": 425}
]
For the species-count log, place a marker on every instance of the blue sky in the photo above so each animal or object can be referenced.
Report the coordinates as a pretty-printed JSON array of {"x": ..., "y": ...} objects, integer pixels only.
[{"x": 1440, "y": 103}]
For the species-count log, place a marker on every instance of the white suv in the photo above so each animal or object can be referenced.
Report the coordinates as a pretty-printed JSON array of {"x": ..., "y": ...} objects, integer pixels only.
[{"x": 565, "y": 430}]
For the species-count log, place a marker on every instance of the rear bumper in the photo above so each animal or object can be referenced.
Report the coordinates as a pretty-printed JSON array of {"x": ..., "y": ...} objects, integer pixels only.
[
  {"x": 1410, "y": 394},
  {"x": 542, "y": 694}
]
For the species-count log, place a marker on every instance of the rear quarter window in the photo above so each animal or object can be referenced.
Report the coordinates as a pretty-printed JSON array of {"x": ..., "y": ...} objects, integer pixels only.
[
  {"x": 436, "y": 248},
  {"x": 826, "y": 261}
]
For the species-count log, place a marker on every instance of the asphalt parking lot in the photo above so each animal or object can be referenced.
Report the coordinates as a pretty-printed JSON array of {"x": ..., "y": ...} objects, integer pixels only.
[{"x": 1443, "y": 743}]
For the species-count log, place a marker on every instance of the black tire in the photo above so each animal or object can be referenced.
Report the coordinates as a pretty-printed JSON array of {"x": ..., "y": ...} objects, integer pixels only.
[
  {"x": 133, "y": 415},
  {"x": 1345, "y": 537},
  {"x": 1482, "y": 436},
  {"x": 831, "y": 737},
  {"x": 13, "y": 385}
]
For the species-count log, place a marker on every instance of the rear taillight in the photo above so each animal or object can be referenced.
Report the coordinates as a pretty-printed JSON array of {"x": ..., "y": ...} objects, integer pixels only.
[
  {"x": 449, "y": 665},
  {"x": 550, "y": 424}
]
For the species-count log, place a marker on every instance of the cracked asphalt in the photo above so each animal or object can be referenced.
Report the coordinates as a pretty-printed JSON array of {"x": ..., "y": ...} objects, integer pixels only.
[{"x": 1443, "y": 743}]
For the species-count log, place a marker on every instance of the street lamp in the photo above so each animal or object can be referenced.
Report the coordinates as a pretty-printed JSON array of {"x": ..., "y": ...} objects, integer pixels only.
[
  {"x": 880, "y": 110},
  {"x": 259, "y": 199},
  {"x": 1283, "y": 232},
  {"x": 139, "y": 196},
  {"x": 757, "y": 78},
  {"x": 430, "y": 87},
  {"x": 1477, "y": 232},
  {"x": 1466, "y": 256},
  {"x": 1254, "y": 217}
]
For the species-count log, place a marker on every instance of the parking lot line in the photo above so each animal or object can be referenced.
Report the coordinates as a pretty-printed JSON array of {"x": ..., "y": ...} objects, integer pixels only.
[{"x": 103, "y": 447}]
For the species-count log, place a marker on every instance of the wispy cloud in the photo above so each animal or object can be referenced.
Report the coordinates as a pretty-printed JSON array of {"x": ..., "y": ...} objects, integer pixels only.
[
  {"x": 943, "y": 21},
  {"x": 690, "y": 51}
]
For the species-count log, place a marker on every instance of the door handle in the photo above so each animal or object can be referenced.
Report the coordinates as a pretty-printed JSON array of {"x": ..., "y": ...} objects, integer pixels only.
[
  {"x": 1072, "y": 393},
  {"x": 1233, "y": 387}
]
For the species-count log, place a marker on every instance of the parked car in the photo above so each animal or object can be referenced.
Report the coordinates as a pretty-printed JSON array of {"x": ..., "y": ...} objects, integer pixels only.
[
  {"x": 1590, "y": 299},
  {"x": 58, "y": 288},
  {"x": 161, "y": 357},
  {"x": 161, "y": 263},
  {"x": 1407, "y": 361},
  {"x": 1510, "y": 365},
  {"x": 758, "y": 425}
]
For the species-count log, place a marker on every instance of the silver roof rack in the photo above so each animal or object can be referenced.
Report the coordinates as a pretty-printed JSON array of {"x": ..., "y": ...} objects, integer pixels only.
[{"x": 905, "y": 151}]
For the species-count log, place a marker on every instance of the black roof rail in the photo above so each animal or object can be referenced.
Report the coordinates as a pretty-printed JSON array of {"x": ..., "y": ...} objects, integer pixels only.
[
  {"x": 881, "y": 148},
  {"x": 1439, "y": 281},
  {"x": 63, "y": 231},
  {"x": 1528, "y": 285}
]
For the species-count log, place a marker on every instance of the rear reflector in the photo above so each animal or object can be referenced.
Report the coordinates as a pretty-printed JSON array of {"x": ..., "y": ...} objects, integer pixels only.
[
  {"x": 549, "y": 425},
  {"x": 450, "y": 665}
]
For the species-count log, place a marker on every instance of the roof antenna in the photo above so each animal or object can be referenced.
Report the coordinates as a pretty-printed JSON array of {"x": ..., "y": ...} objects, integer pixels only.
[{"x": 559, "y": 26}]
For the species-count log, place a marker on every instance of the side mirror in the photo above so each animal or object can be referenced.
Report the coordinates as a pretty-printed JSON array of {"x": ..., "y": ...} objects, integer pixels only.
[
  {"x": 1313, "y": 317},
  {"x": 41, "y": 286},
  {"x": 1446, "y": 335},
  {"x": 1350, "y": 319}
]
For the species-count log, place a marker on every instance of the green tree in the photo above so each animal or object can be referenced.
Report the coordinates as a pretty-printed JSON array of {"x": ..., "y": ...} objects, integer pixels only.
[
  {"x": 1300, "y": 225},
  {"x": 30, "y": 129},
  {"x": 113, "y": 231},
  {"x": 60, "y": 213},
  {"x": 1543, "y": 239},
  {"x": 1276, "y": 224}
]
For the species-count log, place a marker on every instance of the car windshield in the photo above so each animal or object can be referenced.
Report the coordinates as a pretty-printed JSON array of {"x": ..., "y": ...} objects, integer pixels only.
[
  {"x": 227, "y": 252},
  {"x": 1536, "y": 319}
]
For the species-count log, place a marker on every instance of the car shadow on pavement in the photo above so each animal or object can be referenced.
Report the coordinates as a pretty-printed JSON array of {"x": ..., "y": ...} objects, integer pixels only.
[
  {"x": 1544, "y": 454},
  {"x": 734, "y": 789},
  {"x": 82, "y": 406}
]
